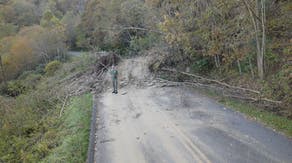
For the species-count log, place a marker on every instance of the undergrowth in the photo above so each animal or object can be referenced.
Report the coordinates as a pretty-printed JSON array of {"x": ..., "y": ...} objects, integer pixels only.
[{"x": 30, "y": 127}]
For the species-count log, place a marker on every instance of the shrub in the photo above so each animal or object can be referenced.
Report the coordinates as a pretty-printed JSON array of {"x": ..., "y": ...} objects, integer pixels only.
[
  {"x": 138, "y": 44},
  {"x": 52, "y": 67},
  {"x": 31, "y": 80},
  {"x": 201, "y": 65},
  {"x": 14, "y": 88}
]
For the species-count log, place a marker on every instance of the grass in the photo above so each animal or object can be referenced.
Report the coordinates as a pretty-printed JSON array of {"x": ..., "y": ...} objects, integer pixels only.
[
  {"x": 73, "y": 132},
  {"x": 276, "y": 122}
]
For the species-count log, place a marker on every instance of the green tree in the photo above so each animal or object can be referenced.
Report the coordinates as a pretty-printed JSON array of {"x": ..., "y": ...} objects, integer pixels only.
[
  {"x": 71, "y": 22},
  {"x": 20, "y": 13}
]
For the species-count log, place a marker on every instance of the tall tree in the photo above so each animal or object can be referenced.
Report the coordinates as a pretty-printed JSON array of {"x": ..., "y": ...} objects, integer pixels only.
[{"x": 257, "y": 12}]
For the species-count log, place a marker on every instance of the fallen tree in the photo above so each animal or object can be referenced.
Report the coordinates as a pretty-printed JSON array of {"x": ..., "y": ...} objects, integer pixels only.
[
  {"x": 212, "y": 80},
  {"x": 233, "y": 91}
]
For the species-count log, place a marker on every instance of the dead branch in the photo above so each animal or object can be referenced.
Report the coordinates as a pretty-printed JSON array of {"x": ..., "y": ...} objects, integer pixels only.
[
  {"x": 141, "y": 29},
  {"x": 271, "y": 101},
  {"x": 106, "y": 67},
  {"x": 241, "y": 97},
  {"x": 212, "y": 80},
  {"x": 64, "y": 103},
  {"x": 120, "y": 29}
]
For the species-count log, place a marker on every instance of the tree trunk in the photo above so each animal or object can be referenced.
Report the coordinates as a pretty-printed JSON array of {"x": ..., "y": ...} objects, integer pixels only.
[
  {"x": 239, "y": 67},
  {"x": 217, "y": 61},
  {"x": 250, "y": 67},
  {"x": 263, "y": 16},
  {"x": 2, "y": 71},
  {"x": 260, "y": 45}
]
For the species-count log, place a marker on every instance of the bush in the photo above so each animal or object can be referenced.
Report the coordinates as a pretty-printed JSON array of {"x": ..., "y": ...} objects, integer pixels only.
[
  {"x": 201, "y": 65},
  {"x": 52, "y": 67},
  {"x": 14, "y": 88},
  {"x": 279, "y": 87},
  {"x": 31, "y": 80},
  {"x": 138, "y": 44},
  {"x": 40, "y": 69},
  {"x": 3, "y": 88}
]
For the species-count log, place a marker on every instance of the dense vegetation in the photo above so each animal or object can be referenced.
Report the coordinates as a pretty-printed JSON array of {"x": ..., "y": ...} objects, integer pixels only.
[
  {"x": 32, "y": 125},
  {"x": 242, "y": 42},
  {"x": 33, "y": 32},
  {"x": 35, "y": 36}
]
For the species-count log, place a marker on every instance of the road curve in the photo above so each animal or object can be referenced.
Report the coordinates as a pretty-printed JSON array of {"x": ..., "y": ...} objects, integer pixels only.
[{"x": 178, "y": 125}]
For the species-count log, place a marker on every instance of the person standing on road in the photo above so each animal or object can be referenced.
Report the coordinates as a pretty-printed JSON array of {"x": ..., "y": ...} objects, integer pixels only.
[{"x": 114, "y": 73}]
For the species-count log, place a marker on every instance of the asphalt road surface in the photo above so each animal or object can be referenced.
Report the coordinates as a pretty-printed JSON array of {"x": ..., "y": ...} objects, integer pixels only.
[{"x": 151, "y": 124}]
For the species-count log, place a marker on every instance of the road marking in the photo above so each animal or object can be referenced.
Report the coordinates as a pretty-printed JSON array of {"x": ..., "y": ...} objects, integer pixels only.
[
  {"x": 196, "y": 153},
  {"x": 187, "y": 142}
]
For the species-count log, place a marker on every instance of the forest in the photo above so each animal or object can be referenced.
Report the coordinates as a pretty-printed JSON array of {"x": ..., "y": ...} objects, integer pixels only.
[{"x": 246, "y": 43}]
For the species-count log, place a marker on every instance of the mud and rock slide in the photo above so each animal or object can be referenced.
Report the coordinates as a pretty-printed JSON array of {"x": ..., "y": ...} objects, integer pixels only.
[{"x": 147, "y": 123}]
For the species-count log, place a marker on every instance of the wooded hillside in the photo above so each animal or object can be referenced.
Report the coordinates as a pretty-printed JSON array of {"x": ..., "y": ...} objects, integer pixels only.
[
  {"x": 33, "y": 32},
  {"x": 245, "y": 44}
]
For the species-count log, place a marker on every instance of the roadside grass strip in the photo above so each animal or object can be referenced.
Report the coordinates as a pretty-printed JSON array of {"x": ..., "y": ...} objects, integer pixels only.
[{"x": 74, "y": 132}]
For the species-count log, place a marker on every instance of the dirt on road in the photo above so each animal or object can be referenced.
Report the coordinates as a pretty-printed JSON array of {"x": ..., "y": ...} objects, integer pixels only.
[{"x": 147, "y": 123}]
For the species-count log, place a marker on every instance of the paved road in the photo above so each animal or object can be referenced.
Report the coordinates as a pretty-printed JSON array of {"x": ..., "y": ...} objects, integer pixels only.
[
  {"x": 75, "y": 53},
  {"x": 177, "y": 125}
]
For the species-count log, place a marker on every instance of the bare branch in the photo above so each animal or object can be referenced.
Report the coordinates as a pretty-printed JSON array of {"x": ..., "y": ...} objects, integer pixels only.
[
  {"x": 120, "y": 29},
  {"x": 64, "y": 104}
]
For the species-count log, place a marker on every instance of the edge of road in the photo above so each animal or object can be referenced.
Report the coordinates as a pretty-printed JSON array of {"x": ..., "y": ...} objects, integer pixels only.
[{"x": 90, "y": 153}]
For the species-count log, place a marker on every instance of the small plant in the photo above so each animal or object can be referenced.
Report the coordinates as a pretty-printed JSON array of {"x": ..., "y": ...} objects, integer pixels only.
[
  {"x": 52, "y": 67},
  {"x": 201, "y": 65},
  {"x": 14, "y": 88}
]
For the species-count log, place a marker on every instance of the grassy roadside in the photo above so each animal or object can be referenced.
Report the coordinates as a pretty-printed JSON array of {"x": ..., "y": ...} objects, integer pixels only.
[
  {"x": 276, "y": 122},
  {"x": 73, "y": 132},
  {"x": 30, "y": 127}
]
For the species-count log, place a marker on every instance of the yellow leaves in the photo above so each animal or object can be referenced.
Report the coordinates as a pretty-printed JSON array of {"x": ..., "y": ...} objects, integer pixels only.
[
  {"x": 52, "y": 67},
  {"x": 169, "y": 26},
  {"x": 24, "y": 50},
  {"x": 31, "y": 31},
  {"x": 21, "y": 46},
  {"x": 49, "y": 20},
  {"x": 18, "y": 54},
  {"x": 287, "y": 8}
]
